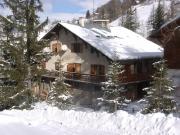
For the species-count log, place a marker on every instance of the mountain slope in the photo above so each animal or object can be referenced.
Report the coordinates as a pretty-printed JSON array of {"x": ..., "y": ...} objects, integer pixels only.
[{"x": 143, "y": 13}]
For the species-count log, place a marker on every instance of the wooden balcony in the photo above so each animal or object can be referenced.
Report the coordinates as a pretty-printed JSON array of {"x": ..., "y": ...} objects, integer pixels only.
[
  {"x": 96, "y": 79},
  {"x": 102, "y": 78},
  {"x": 85, "y": 77}
]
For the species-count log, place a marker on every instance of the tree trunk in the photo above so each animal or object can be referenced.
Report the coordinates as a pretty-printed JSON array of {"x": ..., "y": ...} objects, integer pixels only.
[{"x": 29, "y": 83}]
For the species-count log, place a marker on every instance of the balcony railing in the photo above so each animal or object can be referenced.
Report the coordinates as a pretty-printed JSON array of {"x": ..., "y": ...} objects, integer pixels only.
[
  {"x": 100, "y": 78},
  {"x": 85, "y": 77}
]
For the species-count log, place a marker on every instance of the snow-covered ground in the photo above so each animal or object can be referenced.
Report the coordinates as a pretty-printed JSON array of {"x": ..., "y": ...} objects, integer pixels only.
[{"x": 46, "y": 120}]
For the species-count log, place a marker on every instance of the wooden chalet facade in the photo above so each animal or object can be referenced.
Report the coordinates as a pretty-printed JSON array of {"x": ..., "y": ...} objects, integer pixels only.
[
  {"x": 168, "y": 36},
  {"x": 85, "y": 65}
]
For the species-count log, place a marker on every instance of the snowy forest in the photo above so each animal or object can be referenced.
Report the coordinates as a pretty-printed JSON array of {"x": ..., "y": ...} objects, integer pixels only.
[{"x": 36, "y": 100}]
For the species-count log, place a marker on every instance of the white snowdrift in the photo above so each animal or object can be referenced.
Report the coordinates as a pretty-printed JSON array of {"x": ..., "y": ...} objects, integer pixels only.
[{"x": 46, "y": 120}]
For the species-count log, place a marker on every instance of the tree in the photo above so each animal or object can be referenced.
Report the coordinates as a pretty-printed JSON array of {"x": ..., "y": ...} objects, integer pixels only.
[
  {"x": 102, "y": 14},
  {"x": 129, "y": 20},
  {"x": 157, "y": 17},
  {"x": 88, "y": 15},
  {"x": 60, "y": 93},
  {"x": 22, "y": 52},
  {"x": 159, "y": 95},
  {"x": 113, "y": 90},
  {"x": 172, "y": 12}
]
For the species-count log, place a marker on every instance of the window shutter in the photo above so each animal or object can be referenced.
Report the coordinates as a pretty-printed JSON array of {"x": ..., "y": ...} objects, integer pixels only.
[
  {"x": 53, "y": 48},
  {"x": 93, "y": 70},
  {"x": 72, "y": 47},
  {"x": 81, "y": 48},
  {"x": 58, "y": 47},
  {"x": 101, "y": 70},
  {"x": 70, "y": 67},
  {"x": 78, "y": 68}
]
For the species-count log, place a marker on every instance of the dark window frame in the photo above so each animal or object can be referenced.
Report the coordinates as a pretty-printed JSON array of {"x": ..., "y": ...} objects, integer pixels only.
[
  {"x": 57, "y": 66},
  {"x": 77, "y": 47},
  {"x": 97, "y": 69}
]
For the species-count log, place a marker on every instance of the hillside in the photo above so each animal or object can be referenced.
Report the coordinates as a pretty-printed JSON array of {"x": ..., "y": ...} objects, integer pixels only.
[
  {"x": 143, "y": 13},
  {"x": 114, "y": 9}
]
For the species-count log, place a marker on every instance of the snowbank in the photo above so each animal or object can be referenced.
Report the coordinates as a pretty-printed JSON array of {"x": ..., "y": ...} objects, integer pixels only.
[{"x": 46, "y": 120}]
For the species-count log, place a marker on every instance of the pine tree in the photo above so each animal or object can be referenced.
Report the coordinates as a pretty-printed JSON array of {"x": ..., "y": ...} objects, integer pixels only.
[
  {"x": 102, "y": 14},
  {"x": 60, "y": 93},
  {"x": 130, "y": 20},
  {"x": 111, "y": 9},
  {"x": 172, "y": 12},
  {"x": 22, "y": 52},
  {"x": 157, "y": 17},
  {"x": 159, "y": 95},
  {"x": 112, "y": 88},
  {"x": 88, "y": 15}
]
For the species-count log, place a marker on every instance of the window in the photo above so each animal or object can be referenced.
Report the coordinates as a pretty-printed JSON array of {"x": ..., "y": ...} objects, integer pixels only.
[
  {"x": 57, "y": 66},
  {"x": 132, "y": 68},
  {"x": 42, "y": 65},
  {"x": 145, "y": 67},
  {"x": 76, "y": 47},
  {"x": 138, "y": 67},
  {"x": 75, "y": 70},
  {"x": 97, "y": 69},
  {"x": 74, "y": 67},
  {"x": 127, "y": 69},
  {"x": 56, "y": 47},
  {"x": 92, "y": 50}
]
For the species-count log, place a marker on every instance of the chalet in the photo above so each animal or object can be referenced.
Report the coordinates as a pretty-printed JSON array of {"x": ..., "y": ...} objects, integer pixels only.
[
  {"x": 168, "y": 36},
  {"x": 86, "y": 51}
]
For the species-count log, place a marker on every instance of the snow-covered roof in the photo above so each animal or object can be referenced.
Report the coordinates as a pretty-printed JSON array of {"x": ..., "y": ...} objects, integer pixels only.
[
  {"x": 117, "y": 43},
  {"x": 172, "y": 20}
]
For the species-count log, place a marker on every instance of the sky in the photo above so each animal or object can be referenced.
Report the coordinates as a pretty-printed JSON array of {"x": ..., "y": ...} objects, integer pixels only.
[
  {"x": 64, "y": 9},
  {"x": 68, "y": 9}
]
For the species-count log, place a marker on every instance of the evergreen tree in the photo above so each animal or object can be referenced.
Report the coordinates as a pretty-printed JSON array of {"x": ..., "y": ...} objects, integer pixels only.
[
  {"x": 60, "y": 93},
  {"x": 159, "y": 95},
  {"x": 22, "y": 52},
  {"x": 112, "y": 88},
  {"x": 102, "y": 14},
  {"x": 88, "y": 15},
  {"x": 157, "y": 17},
  {"x": 111, "y": 9},
  {"x": 130, "y": 20},
  {"x": 172, "y": 12}
]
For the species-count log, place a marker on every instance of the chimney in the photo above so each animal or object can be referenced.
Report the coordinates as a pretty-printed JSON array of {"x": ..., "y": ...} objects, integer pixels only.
[
  {"x": 82, "y": 21},
  {"x": 101, "y": 22}
]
